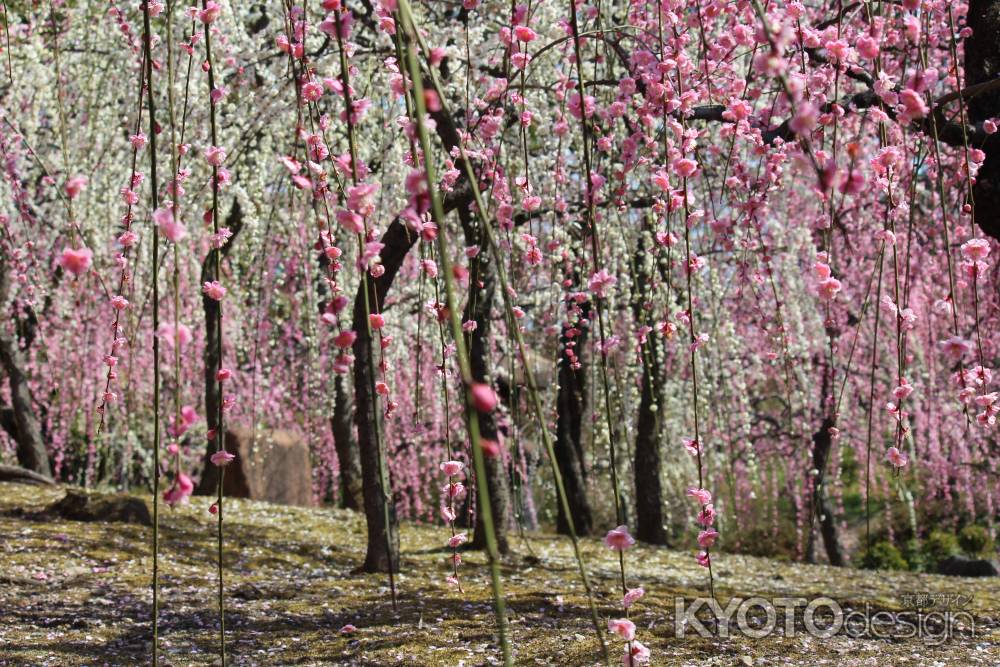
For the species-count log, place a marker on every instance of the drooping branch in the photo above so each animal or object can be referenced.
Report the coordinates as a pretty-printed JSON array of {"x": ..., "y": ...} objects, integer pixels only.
[{"x": 234, "y": 222}]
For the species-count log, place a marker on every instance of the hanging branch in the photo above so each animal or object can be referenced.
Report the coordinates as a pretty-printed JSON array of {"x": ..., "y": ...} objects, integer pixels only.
[{"x": 155, "y": 253}]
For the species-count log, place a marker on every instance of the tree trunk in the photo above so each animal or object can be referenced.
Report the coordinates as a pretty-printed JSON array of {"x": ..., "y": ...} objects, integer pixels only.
[
  {"x": 482, "y": 278},
  {"x": 383, "y": 536},
  {"x": 982, "y": 63},
  {"x": 27, "y": 433},
  {"x": 571, "y": 403},
  {"x": 648, "y": 490},
  {"x": 348, "y": 457},
  {"x": 822, "y": 443},
  {"x": 208, "y": 484}
]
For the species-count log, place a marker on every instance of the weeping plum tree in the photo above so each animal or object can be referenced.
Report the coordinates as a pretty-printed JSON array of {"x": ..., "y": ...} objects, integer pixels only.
[
  {"x": 759, "y": 241},
  {"x": 19, "y": 420}
]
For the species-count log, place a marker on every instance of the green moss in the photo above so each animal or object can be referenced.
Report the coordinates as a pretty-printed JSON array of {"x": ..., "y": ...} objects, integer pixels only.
[
  {"x": 883, "y": 556},
  {"x": 79, "y": 594},
  {"x": 938, "y": 546}
]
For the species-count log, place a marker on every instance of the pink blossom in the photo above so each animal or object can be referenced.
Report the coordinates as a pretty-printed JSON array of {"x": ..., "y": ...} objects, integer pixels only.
[
  {"x": 179, "y": 491},
  {"x": 210, "y": 12},
  {"x": 896, "y": 457},
  {"x": 636, "y": 653},
  {"x": 902, "y": 391},
  {"x": 913, "y": 105},
  {"x": 312, "y": 91},
  {"x": 213, "y": 290},
  {"x": 703, "y": 558},
  {"x": 706, "y": 517},
  {"x": 490, "y": 448},
  {"x": 484, "y": 399},
  {"x": 868, "y": 47},
  {"x": 619, "y": 539},
  {"x": 631, "y": 596},
  {"x": 706, "y": 538},
  {"x": 215, "y": 155},
  {"x": 189, "y": 415},
  {"x": 74, "y": 186},
  {"x": 457, "y": 540},
  {"x": 976, "y": 250},
  {"x": 452, "y": 468},
  {"x": 525, "y": 34},
  {"x": 829, "y": 288},
  {"x": 170, "y": 227},
  {"x": 345, "y": 339},
  {"x": 684, "y": 167},
  {"x": 76, "y": 262},
  {"x": 222, "y": 458},
  {"x": 622, "y": 627},
  {"x": 703, "y": 496},
  {"x": 175, "y": 335},
  {"x": 955, "y": 347},
  {"x": 600, "y": 282},
  {"x": 361, "y": 198}
]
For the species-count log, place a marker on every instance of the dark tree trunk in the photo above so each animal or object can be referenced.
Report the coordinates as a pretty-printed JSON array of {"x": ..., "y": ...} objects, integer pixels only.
[
  {"x": 383, "y": 536},
  {"x": 380, "y": 509},
  {"x": 648, "y": 490},
  {"x": 482, "y": 277},
  {"x": 571, "y": 402},
  {"x": 342, "y": 419},
  {"x": 982, "y": 63},
  {"x": 397, "y": 240},
  {"x": 209, "y": 481},
  {"x": 22, "y": 425},
  {"x": 348, "y": 457},
  {"x": 822, "y": 443}
]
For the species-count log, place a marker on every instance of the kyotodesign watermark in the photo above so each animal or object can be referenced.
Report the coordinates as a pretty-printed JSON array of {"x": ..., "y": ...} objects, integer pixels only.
[{"x": 934, "y": 618}]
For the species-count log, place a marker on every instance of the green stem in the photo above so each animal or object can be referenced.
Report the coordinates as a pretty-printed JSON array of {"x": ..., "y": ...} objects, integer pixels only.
[
  {"x": 472, "y": 418},
  {"x": 217, "y": 270},
  {"x": 154, "y": 193},
  {"x": 529, "y": 375}
]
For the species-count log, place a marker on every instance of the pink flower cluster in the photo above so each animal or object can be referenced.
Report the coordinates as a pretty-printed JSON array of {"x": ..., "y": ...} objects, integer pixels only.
[
  {"x": 452, "y": 491},
  {"x": 706, "y": 519},
  {"x": 636, "y": 653}
]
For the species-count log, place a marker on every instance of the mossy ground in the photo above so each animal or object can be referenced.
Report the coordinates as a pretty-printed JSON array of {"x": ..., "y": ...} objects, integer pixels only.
[{"x": 78, "y": 594}]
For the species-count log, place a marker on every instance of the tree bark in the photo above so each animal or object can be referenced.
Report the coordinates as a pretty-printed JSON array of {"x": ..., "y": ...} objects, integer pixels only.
[
  {"x": 822, "y": 443},
  {"x": 22, "y": 476},
  {"x": 208, "y": 484},
  {"x": 348, "y": 457},
  {"x": 383, "y": 537},
  {"x": 483, "y": 281},
  {"x": 571, "y": 401},
  {"x": 982, "y": 63},
  {"x": 397, "y": 240},
  {"x": 648, "y": 490},
  {"x": 27, "y": 433},
  {"x": 648, "y": 461}
]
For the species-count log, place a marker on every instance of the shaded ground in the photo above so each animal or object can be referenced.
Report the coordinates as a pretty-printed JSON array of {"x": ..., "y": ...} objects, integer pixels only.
[{"x": 78, "y": 594}]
